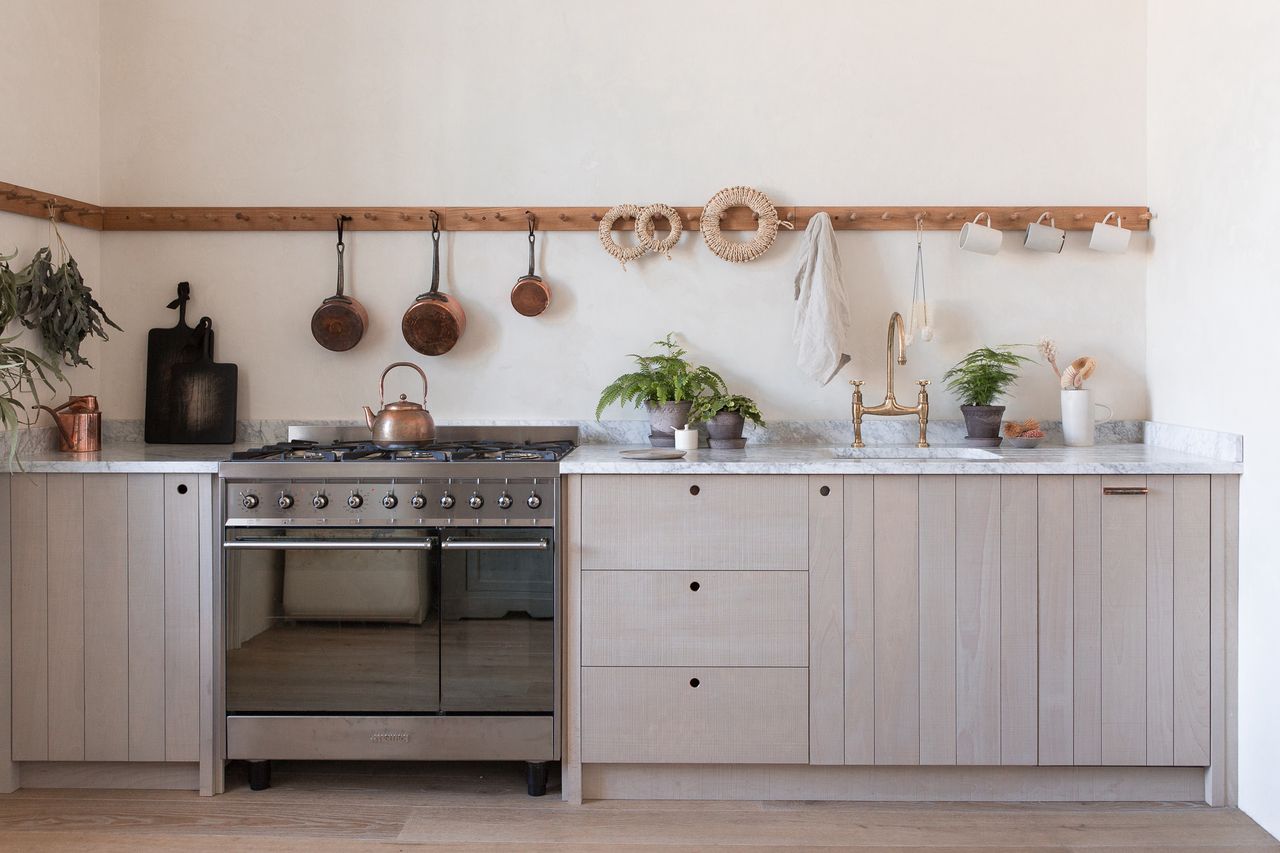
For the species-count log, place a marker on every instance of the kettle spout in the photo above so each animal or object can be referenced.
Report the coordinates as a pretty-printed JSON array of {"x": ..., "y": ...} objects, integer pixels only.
[
  {"x": 57, "y": 422},
  {"x": 368, "y": 416}
]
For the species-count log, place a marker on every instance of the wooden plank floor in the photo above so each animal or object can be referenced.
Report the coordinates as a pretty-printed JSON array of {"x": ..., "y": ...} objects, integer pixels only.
[{"x": 332, "y": 807}]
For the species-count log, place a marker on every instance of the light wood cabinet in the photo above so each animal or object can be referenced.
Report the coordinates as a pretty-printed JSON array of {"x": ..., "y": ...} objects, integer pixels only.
[
  {"x": 725, "y": 618},
  {"x": 720, "y": 521},
  {"x": 105, "y": 615},
  {"x": 1023, "y": 620},
  {"x": 683, "y": 715}
]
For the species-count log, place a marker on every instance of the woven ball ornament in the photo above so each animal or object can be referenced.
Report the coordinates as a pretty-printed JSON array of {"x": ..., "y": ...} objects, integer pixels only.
[
  {"x": 621, "y": 253},
  {"x": 645, "y": 229},
  {"x": 732, "y": 250}
]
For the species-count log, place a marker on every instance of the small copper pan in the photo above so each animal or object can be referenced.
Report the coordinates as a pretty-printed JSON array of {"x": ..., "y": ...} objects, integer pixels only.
[
  {"x": 340, "y": 321},
  {"x": 531, "y": 295},
  {"x": 435, "y": 320}
]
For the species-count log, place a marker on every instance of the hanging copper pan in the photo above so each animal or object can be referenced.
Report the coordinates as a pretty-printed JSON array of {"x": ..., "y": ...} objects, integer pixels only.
[
  {"x": 340, "y": 321},
  {"x": 531, "y": 295},
  {"x": 435, "y": 320}
]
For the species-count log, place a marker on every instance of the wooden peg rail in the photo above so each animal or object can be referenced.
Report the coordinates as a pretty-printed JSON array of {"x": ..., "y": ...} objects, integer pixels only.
[{"x": 29, "y": 202}]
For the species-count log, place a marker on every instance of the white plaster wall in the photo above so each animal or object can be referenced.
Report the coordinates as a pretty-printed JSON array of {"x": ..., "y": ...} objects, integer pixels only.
[
  {"x": 578, "y": 102},
  {"x": 1213, "y": 295},
  {"x": 50, "y": 141}
]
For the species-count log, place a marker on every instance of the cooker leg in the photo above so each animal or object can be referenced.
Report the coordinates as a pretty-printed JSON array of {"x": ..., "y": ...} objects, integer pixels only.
[
  {"x": 537, "y": 776},
  {"x": 260, "y": 775}
]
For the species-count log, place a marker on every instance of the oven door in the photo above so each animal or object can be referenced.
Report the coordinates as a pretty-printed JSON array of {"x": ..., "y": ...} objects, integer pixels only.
[
  {"x": 331, "y": 622},
  {"x": 497, "y": 626}
]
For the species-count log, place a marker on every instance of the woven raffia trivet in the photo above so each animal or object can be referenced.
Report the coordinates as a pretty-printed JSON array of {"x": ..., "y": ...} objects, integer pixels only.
[
  {"x": 645, "y": 229},
  {"x": 621, "y": 253},
  {"x": 732, "y": 250}
]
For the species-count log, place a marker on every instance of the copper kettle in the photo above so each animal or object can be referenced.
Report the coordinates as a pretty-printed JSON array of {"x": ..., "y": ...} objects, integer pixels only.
[
  {"x": 401, "y": 425},
  {"x": 79, "y": 423}
]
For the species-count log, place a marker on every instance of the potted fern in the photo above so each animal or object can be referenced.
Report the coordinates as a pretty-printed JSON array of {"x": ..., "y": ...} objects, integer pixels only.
[
  {"x": 666, "y": 385},
  {"x": 978, "y": 380},
  {"x": 725, "y": 416}
]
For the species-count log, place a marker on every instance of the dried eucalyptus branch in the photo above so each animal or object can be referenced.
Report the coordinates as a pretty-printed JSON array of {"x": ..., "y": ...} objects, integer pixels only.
[{"x": 56, "y": 301}]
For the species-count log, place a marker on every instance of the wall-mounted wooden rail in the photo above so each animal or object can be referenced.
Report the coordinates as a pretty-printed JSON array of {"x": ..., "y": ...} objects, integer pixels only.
[{"x": 28, "y": 202}]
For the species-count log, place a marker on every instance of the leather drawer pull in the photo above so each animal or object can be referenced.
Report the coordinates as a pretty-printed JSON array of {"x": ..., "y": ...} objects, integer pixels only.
[
  {"x": 695, "y": 586},
  {"x": 1125, "y": 490},
  {"x": 693, "y": 490},
  {"x": 693, "y": 682}
]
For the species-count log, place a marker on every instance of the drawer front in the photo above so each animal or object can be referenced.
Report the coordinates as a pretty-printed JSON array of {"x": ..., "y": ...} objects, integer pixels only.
[
  {"x": 648, "y": 618},
  {"x": 734, "y": 715},
  {"x": 722, "y": 521}
]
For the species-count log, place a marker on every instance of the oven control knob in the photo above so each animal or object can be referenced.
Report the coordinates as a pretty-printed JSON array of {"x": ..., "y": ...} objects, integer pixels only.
[
  {"x": 504, "y": 501},
  {"x": 320, "y": 501},
  {"x": 389, "y": 500},
  {"x": 417, "y": 501},
  {"x": 534, "y": 500},
  {"x": 249, "y": 501},
  {"x": 355, "y": 501},
  {"x": 475, "y": 501},
  {"x": 285, "y": 501},
  {"x": 446, "y": 501}
]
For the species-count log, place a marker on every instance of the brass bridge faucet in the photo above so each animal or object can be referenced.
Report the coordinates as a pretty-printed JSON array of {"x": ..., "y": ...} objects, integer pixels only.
[{"x": 890, "y": 405}]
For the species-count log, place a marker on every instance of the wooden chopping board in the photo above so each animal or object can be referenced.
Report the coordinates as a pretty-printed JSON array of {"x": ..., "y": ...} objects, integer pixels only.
[
  {"x": 167, "y": 348},
  {"x": 204, "y": 392}
]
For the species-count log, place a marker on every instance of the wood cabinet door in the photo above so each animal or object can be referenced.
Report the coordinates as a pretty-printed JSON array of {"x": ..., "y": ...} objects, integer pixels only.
[
  {"x": 687, "y": 522},
  {"x": 105, "y": 616}
]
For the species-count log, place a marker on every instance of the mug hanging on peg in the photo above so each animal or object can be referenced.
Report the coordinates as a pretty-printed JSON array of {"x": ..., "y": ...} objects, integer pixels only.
[{"x": 919, "y": 296}]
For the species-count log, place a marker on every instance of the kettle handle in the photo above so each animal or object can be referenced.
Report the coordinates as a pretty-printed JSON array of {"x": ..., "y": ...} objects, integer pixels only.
[{"x": 382, "y": 394}]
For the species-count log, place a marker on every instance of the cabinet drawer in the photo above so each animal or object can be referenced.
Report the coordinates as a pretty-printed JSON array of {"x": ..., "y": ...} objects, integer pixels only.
[
  {"x": 724, "y": 521},
  {"x": 733, "y": 715},
  {"x": 734, "y": 618}
]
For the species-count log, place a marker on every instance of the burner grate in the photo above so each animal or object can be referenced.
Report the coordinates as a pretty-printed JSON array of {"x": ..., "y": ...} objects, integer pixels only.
[{"x": 449, "y": 451}]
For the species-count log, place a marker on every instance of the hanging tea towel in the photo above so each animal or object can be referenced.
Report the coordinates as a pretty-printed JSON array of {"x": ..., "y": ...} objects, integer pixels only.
[{"x": 821, "y": 327}]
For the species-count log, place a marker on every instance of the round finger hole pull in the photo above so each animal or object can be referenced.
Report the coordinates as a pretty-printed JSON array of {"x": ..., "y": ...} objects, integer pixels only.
[
  {"x": 824, "y": 491},
  {"x": 693, "y": 682},
  {"x": 693, "y": 490},
  {"x": 695, "y": 586},
  {"x": 182, "y": 488}
]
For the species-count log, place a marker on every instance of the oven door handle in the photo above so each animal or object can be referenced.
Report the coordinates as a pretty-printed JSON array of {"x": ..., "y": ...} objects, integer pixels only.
[
  {"x": 329, "y": 545},
  {"x": 460, "y": 544}
]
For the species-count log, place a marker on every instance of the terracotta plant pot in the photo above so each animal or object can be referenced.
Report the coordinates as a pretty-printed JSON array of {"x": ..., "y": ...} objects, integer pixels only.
[
  {"x": 983, "y": 421},
  {"x": 665, "y": 419}
]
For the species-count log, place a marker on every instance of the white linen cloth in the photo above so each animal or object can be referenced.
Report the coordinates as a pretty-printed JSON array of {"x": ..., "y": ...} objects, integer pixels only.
[{"x": 821, "y": 327}]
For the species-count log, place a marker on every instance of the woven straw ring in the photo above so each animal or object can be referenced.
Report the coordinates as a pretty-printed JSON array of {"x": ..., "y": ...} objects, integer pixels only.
[
  {"x": 621, "y": 253},
  {"x": 732, "y": 250},
  {"x": 645, "y": 229}
]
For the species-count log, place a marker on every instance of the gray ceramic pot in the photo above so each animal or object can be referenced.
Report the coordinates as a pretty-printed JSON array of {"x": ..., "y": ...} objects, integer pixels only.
[
  {"x": 725, "y": 425},
  {"x": 665, "y": 419},
  {"x": 983, "y": 421}
]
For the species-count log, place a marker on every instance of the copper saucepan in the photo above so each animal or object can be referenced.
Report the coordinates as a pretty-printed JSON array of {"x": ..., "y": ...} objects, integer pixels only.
[
  {"x": 531, "y": 295},
  {"x": 340, "y": 321},
  {"x": 435, "y": 320}
]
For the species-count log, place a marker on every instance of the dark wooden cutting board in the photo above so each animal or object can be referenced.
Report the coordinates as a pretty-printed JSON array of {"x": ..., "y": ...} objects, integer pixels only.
[
  {"x": 203, "y": 404},
  {"x": 167, "y": 348}
]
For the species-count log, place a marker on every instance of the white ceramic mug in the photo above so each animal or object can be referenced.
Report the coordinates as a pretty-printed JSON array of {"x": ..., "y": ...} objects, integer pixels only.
[
  {"x": 975, "y": 237},
  {"x": 1109, "y": 238},
  {"x": 1045, "y": 238},
  {"x": 1078, "y": 419}
]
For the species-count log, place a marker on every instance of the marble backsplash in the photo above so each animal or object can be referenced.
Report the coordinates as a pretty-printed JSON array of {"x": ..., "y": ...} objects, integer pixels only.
[{"x": 823, "y": 433}]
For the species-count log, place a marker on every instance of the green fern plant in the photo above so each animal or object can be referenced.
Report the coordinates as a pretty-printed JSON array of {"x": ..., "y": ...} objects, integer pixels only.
[
  {"x": 984, "y": 375},
  {"x": 663, "y": 378},
  {"x": 707, "y": 407}
]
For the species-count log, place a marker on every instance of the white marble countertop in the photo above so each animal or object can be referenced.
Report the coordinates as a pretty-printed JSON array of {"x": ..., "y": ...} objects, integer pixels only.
[
  {"x": 130, "y": 457},
  {"x": 793, "y": 459}
]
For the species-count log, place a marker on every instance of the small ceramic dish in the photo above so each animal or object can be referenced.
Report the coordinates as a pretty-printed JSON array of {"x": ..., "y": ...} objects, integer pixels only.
[
  {"x": 654, "y": 455},
  {"x": 1026, "y": 443}
]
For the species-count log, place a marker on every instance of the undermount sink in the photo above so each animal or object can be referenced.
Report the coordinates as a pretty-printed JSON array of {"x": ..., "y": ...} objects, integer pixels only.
[{"x": 916, "y": 454}]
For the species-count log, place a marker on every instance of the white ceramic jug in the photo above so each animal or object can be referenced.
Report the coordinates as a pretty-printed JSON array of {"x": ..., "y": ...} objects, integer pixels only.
[{"x": 1078, "y": 419}]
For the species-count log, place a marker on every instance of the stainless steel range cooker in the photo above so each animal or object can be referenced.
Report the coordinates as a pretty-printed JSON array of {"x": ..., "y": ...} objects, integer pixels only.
[{"x": 394, "y": 605}]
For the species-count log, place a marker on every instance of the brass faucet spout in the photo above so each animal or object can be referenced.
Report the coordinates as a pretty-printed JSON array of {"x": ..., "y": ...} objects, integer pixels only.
[{"x": 897, "y": 337}]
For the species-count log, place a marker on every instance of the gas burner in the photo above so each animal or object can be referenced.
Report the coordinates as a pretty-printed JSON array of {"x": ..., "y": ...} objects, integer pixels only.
[{"x": 448, "y": 451}]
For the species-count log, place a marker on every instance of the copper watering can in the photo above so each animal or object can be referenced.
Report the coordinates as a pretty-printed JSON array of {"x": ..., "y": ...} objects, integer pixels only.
[{"x": 79, "y": 422}]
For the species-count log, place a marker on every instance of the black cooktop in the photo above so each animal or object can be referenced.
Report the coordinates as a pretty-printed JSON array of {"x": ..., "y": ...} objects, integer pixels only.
[{"x": 441, "y": 451}]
